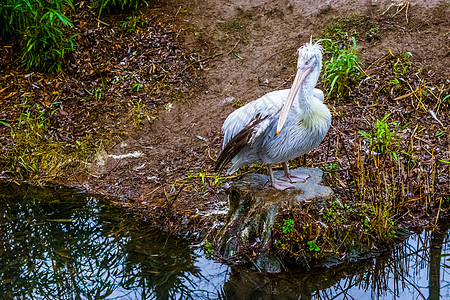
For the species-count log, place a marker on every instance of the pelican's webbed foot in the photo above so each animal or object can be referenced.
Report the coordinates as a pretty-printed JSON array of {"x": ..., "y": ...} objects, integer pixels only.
[
  {"x": 294, "y": 178},
  {"x": 282, "y": 185},
  {"x": 288, "y": 176},
  {"x": 279, "y": 184}
]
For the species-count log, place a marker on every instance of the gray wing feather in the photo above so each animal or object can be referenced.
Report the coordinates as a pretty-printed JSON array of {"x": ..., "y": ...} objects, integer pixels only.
[{"x": 268, "y": 105}]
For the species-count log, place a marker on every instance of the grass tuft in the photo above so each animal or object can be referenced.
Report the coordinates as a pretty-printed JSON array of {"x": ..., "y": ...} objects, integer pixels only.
[{"x": 342, "y": 70}]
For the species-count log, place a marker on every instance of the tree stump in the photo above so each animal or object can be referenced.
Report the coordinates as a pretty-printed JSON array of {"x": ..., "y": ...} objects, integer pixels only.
[{"x": 254, "y": 207}]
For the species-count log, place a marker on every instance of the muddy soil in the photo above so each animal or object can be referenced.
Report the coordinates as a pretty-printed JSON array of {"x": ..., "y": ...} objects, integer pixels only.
[{"x": 247, "y": 48}]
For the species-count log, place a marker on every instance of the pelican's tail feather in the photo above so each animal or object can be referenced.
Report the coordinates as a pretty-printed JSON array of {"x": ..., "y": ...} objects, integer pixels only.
[{"x": 238, "y": 142}]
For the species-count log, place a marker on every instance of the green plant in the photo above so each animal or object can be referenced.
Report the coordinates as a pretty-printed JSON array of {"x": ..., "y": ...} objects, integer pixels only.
[
  {"x": 14, "y": 16},
  {"x": 33, "y": 150},
  {"x": 5, "y": 124},
  {"x": 446, "y": 97},
  {"x": 137, "y": 87},
  {"x": 46, "y": 43},
  {"x": 217, "y": 181},
  {"x": 133, "y": 22},
  {"x": 402, "y": 64},
  {"x": 337, "y": 33},
  {"x": 381, "y": 137},
  {"x": 331, "y": 168},
  {"x": 138, "y": 112},
  {"x": 313, "y": 247},
  {"x": 203, "y": 178},
  {"x": 43, "y": 26},
  {"x": 288, "y": 225},
  {"x": 117, "y": 4},
  {"x": 96, "y": 94},
  {"x": 208, "y": 248},
  {"x": 341, "y": 69}
]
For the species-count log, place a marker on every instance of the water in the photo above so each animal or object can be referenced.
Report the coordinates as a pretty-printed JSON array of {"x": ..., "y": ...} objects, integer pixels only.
[{"x": 59, "y": 244}]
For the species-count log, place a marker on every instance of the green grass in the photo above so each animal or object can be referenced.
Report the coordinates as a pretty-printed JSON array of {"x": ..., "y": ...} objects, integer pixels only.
[
  {"x": 342, "y": 70},
  {"x": 35, "y": 152},
  {"x": 15, "y": 15},
  {"x": 402, "y": 65},
  {"x": 138, "y": 112},
  {"x": 42, "y": 28}
]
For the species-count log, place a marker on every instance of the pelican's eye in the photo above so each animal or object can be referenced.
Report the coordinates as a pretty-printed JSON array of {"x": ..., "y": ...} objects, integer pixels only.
[{"x": 306, "y": 63}]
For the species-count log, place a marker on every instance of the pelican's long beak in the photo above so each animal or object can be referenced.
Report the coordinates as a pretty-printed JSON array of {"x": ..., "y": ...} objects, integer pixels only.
[{"x": 301, "y": 75}]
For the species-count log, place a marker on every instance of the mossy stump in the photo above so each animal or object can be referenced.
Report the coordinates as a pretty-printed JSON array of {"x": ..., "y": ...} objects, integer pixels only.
[{"x": 247, "y": 235}]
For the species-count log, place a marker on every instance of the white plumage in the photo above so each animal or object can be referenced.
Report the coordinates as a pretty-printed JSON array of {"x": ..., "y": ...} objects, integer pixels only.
[{"x": 298, "y": 115}]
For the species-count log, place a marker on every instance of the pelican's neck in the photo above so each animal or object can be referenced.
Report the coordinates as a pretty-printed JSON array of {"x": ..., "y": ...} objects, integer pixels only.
[{"x": 305, "y": 93}]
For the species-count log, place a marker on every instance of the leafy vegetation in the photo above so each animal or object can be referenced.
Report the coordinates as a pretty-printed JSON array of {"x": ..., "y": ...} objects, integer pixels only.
[
  {"x": 139, "y": 112},
  {"x": 382, "y": 138},
  {"x": 313, "y": 246},
  {"x": 132, "y": 23},
  {"x": 288, "y": 225},
  {"x": 208, "y": 248},
  {"x": 44, "y": 27},
  {"x": 342, "y": 70},
  {"x": 116, "y": 4}
]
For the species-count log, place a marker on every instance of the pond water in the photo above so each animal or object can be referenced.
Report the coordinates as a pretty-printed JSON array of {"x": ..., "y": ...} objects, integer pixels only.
[{"x": 60, "y": 244}]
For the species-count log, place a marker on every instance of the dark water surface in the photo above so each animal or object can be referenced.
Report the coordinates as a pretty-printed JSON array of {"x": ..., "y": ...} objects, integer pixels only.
[{"x": 60, "y": 244}]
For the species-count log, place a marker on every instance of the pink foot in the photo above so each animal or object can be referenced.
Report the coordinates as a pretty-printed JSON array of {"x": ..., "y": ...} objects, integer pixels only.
[
  {"x": 294, "y": 178},
  {"x": 282, "y": 185}
]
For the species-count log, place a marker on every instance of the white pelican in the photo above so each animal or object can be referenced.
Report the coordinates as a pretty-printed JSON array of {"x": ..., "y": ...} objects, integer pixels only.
[{"x": 281, "y": 125}]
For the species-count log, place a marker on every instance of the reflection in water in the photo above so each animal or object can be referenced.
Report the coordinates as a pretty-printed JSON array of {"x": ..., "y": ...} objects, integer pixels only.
[
  {"x": 61, "y": 245},
  {"x": 57, "y": 244}
]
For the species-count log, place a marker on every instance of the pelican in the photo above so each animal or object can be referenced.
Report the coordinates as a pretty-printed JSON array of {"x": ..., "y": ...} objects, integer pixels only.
[{"x": 281, "y": 125}]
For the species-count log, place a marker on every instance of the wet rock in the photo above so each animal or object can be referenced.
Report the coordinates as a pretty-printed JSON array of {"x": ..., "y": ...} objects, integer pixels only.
[{"x": 254, "y": 207}]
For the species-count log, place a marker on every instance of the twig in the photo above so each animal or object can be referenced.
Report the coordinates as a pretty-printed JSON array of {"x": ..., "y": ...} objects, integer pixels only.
[
  {"x": 199, "y": 61},
  {"x": 234, "y": 47},
  {"x": 407, "y": 6},
  {"x": 405, "y": 96},
  {"x": 104, "y": 23},
  {"x": 178, "y": 11},
  {"x": 412, "y": 284},
  {"x": 154, "y": 190},
  {"x": 176, "y": 196},
  {"x": 375, "y": 62}
]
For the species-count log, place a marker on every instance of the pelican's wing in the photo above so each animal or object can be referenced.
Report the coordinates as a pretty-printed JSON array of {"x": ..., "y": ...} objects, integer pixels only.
[
  {"x": 244, "y": 137},
  {"x": 245, "y": 125},
  {"x": 265, "y": 108}
]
